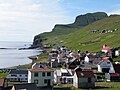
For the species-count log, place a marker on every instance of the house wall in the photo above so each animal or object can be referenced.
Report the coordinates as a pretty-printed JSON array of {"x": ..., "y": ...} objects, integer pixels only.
[
  {"x": 29, "y": 77},
  {"x": 13, "y": 88},
  {"x": 41, "y": 79},
  {"x": 99, "y": 68},
  {"x": 18, "y": 77},
  {"x": 104, "y": 65},
  {"x": 107, "y": 76},
  {"x": 86, "y": 59},
  {"x": 117, "y": 53},
  {"x": 75, "y": 81},
  {"x": 83, "y": 83},
  {"x": 56, "y": 79},
  {"x": 69, "y": 80}
]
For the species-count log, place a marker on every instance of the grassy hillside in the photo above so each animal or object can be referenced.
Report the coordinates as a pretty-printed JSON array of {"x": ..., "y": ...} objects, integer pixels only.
[
  {"x": 60, "y": 30},
  {"x": 84, "y": 39}
]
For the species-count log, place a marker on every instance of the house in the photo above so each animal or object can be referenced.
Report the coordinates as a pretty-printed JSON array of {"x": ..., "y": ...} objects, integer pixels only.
[
  {"x": 104, "y": 65},
  {"x": 41, "y": 76},
  {"x": 63, "y": 76},
  {"x": 61, "y": 57},
  {"x": 92, "y": 59},
  {"x": 84, "y": 79},
  {"x": 44, "y": 64},
  {"x": 2, "y": 84},
  {"x": 114, "y": 73},
  {"x": 105, "y": 48},
  {"x": 18, "y": 75},
  {"x": 74, "y": 63},
  {"x": 27, "y": 86},
  {"x": 117, "y": 52},
  {"x": 53, "y": 62},
  {"x": 53, "y": 53},
  {"x": 112, "y": 77}
]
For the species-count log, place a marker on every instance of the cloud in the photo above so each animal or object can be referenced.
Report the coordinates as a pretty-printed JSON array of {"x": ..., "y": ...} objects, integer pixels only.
[{"x": 29, "y": 17}]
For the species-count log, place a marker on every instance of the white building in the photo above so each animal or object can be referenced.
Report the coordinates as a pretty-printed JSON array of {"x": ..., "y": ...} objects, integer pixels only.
[
  {"x": 117, "y": 53},
  {"x": 42, "y": 76},
  {"x": 64, "y": 76},
  {"x": 18, "y": 76},
  {"x": 84, "y": 79}
]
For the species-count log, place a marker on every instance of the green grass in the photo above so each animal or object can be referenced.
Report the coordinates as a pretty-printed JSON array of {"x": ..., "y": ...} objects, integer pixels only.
[
  {"x": 108, "y": 84},
  {"x": 42, "y": 58},
  {"x": 98, "y": 86},
  {"x": 84, "y": 40},
  {"x": 117, "y": 59},
  {"x": 3, "y": 75}
]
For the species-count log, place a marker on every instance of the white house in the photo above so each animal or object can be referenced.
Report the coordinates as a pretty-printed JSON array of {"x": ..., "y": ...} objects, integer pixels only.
[
  {"x": 42, "y": 76},
  {"x": 104, "y": 65},
  {"x": 84, "y": 79},
  {"x": 18, "y": 75},
  {"x": 63, "y": 76},
  {"x": 117, "y": 53}
]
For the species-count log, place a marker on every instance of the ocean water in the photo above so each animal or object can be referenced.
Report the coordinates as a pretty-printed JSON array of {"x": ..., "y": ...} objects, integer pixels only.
[{"x": 10, "y": 55}]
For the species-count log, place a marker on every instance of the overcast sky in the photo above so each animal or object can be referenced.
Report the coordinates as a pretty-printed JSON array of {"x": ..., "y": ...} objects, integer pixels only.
[{"x": 21, "y": 20}]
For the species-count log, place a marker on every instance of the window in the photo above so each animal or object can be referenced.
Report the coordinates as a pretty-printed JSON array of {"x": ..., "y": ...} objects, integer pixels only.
[
  {"x": 45, "y": 81},
  {"x": 36, "y": 74},
  {"x": 36, "y": 81},
  {"x": 48, "y": 74},
  {"x": 60, "y": 79},
  {"x": 89, "y": 80},
  {"x": 14, "y": 75},
  {"x": 43, "y": 74}
]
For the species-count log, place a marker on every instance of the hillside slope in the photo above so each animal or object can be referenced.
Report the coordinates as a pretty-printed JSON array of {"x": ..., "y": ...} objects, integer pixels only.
[
  {"x": 61, "y": 30},
  {"x": 93, "y": 36}
]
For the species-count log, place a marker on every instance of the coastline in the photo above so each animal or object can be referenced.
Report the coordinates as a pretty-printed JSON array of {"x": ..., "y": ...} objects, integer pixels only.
[{"x": 16, "y": 54}]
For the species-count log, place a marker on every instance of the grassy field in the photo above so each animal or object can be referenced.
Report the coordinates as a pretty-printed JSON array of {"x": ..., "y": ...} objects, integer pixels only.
[{"x": 98, "y": 86}]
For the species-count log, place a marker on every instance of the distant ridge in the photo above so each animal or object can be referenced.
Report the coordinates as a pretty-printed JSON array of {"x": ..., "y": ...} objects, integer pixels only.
[{"x": 61, "y": 30}]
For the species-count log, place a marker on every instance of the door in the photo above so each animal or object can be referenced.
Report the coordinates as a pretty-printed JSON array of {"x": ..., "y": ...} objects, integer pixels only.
[{"x": 48, "y": 82}]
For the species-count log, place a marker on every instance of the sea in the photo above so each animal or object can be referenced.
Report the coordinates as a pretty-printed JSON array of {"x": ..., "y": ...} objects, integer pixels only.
[{"x": 10, "y": 55}]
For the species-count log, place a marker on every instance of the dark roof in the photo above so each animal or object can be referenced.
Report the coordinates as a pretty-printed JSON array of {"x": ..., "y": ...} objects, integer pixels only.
[
  {"x": 27, "y": 86},
  {"x": 18, "y": 72},
  {"x": 74, "y": 64},
  {"x": 1, "y": 82},
  {"x": 90, "y": 56},
  {"x": 85, "y": 74},
  {"x": 116, "y": 68}
]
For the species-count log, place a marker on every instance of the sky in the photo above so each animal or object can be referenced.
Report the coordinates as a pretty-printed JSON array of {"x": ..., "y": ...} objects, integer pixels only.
[{"x": 21, "y": 20}]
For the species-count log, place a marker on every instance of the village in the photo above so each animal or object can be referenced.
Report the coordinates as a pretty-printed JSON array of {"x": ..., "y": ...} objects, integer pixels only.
[{"x": 80, "y": 70}]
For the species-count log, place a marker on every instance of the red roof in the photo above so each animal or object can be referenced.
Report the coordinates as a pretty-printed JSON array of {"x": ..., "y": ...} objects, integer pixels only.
[
  {"x": 116, "y": 68},
  {"x": 1, "y": 82},
  {"x": 76, "y": 55},
  {"x": 85, "y": 74},
  {"x": 114, "y": 74},
  {"x": 40, "y": 69}
]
